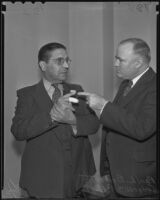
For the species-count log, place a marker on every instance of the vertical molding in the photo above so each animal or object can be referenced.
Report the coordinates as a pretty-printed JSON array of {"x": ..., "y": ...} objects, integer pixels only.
[
  {"x": 86, "y": 50},
  {"x": 86, "y": 44},
  {"x": 153, "y": 34},
  {"x": 108, "y": 41}
]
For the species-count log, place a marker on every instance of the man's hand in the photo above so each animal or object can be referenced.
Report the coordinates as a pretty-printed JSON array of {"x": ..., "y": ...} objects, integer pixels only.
[
  {"x": 62, "y": 111},
  {"x": 94, "y": 101}
]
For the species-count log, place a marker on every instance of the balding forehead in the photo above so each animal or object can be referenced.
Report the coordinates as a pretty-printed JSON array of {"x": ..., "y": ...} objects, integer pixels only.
[{"x": 126, "y": 47}]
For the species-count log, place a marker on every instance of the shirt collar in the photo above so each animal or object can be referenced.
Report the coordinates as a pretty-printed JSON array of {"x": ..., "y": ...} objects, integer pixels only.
[
  {"x": 47, "y": 84},
  {"x": 138, "y": 77}
]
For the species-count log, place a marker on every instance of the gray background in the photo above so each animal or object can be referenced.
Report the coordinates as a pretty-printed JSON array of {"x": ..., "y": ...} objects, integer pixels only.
[{"x": 91, "y": 32}]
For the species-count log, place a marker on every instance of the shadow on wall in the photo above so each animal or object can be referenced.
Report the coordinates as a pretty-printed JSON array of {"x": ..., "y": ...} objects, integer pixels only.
[{"x": 18, "y": 147}]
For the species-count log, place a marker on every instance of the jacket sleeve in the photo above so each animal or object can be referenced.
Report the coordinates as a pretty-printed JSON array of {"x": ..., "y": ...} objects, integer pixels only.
[
  {"x": 139, "y": 126},
  {"x": 28, "y": 121},
  {"x": 87, "y": 121}
]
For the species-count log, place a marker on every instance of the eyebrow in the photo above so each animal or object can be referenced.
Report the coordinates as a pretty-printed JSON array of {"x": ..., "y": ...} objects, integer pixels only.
[
  {"x": 121, "y": 59},
  {"x": 59, "y": 57}
]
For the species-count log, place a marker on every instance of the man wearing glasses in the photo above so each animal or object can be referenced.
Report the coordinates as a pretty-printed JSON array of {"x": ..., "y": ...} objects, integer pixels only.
[{"x": 58, "y": 157}]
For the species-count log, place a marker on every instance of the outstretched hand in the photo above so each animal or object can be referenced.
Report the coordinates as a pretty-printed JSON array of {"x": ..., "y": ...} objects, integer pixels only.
[{"x": 94, "y": 101}]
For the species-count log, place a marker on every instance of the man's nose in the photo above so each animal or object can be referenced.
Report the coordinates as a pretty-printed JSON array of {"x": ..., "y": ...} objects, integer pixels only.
[
  {"x": 116, "y": 63},
  {"x": 65, "y": 65}
]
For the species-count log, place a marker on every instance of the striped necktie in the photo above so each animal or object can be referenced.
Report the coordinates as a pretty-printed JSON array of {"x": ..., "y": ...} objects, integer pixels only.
[
  {"x": 127, "y": 88},
  {"x": 56, "y": 94}
]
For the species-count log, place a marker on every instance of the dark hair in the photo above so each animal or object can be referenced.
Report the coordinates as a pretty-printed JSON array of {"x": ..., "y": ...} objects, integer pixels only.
[
  {"x": 44, "y": 52},
  {"x": 140, "y": 47}
]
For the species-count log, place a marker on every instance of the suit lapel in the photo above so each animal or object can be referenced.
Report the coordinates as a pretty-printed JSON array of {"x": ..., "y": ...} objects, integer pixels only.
[
  {"x": 120, "y": 92},
  {"x": 138, "y": 87},
  {"x": 66, "y": 88},
  {"x": 45, "y": 103},
  {"x": 42, "y": 97}
]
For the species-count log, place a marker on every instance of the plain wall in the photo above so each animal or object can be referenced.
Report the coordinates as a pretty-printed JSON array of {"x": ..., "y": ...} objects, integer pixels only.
[
  {"x": 92, "y": 58},
  {"x": 108, "y": 51}
]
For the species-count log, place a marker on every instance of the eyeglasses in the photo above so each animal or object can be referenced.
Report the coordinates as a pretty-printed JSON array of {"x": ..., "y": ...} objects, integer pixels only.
[{"x": 60, "y": 61}]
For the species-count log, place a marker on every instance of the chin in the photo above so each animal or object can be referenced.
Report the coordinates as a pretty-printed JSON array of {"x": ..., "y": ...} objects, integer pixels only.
[{"x": 63, "y": 77}]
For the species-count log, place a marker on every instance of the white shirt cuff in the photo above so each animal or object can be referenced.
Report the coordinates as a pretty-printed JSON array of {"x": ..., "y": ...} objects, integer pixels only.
[
  {"x": 74, "y": 129},
  {"x": 103, "y": 107}
]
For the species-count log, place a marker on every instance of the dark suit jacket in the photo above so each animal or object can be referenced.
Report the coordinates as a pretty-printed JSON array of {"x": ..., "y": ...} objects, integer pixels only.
[
  {"x": 129, "y": 138},
  {"x": 55, "y": 163}
]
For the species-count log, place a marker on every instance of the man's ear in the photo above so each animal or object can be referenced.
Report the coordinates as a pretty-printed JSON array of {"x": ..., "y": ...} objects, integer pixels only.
[
  {"x": 139, "y": 62},
  {"x": 42, "y": 65}
]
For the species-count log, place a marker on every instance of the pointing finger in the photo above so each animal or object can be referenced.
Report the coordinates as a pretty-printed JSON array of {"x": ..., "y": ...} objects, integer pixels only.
[
  {"x": 84, "y": 93},
  {"x": 73, "y": 100},
  {"x": 69, "y": 94}
]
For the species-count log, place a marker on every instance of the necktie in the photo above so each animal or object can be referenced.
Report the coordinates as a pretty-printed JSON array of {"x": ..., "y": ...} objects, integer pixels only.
[
  {"x": 56, "y": 94},
  {"x": 127, "y": 88},
  {"x": 64, "y": 136}
]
